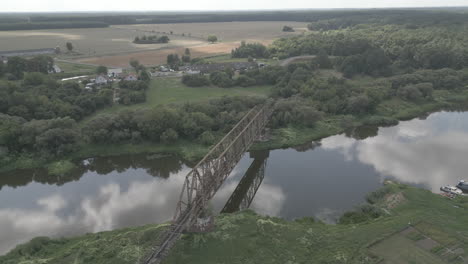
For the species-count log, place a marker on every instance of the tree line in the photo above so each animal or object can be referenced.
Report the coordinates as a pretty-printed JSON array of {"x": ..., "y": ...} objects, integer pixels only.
[
  {"x": 152, "y": 39},
  {"x": 56, "y": 137}
]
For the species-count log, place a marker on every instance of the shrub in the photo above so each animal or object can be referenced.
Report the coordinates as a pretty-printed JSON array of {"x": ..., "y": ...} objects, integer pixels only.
[
  {"x": 206, "y": 138},
  {"x": 196, "y": 80},
  {"x": 168, "y": 136}
]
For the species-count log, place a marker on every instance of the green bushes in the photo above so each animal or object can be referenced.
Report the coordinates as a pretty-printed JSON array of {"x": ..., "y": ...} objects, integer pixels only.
[
  {"x": 377, "y": 196},
  {"x": 195, "y": 80},
  {"x": 255, "y": 50},
  {"x": 152, "y": 39},
  {"x": 221, "y": 79},
  {"x": 362, "y": 214}
]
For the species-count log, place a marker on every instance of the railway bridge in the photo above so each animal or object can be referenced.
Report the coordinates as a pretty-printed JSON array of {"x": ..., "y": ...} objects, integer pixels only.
[{"x": 204, "y": 180}]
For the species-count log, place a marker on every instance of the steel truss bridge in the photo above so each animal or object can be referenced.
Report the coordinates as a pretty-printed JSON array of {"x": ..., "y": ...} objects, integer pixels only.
[{"x": 204, "y": 180}]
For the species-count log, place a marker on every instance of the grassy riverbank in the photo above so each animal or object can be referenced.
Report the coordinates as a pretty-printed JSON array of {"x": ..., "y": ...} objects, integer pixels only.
[{"x": 415, "y": 226}]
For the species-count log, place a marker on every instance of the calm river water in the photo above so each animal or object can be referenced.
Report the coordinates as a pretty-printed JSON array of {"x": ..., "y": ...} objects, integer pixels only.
[{"x": 321, "y": 179}]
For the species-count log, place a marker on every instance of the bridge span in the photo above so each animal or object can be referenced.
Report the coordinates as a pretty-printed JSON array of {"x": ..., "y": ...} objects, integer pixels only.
[{"x": 204, "y": 180}]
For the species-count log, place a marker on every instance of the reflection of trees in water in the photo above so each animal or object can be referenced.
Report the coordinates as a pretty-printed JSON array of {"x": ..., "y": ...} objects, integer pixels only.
[
  {"x": 154, "y": 165},
  {"x": 362, "y": 132},
  {"x": 307, "y": 146}
]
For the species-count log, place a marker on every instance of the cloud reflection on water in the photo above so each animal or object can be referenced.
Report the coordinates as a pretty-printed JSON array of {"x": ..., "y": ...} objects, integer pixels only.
[
  {"x": 151, "y": 201},
  {"x": 417, "y": 152}
]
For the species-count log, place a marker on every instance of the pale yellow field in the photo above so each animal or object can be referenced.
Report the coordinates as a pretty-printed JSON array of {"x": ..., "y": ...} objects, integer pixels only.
[
  {"x": 87, "y": 42},
  {"x": 113, "y": 46},
  {"x": 227, "y": 31}
]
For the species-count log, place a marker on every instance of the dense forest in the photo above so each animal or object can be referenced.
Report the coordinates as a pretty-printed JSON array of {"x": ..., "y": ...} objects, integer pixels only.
[{"x": 319, "y": 19}]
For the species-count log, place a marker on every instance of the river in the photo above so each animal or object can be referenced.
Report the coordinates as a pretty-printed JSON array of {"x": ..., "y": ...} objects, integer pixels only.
[{"x": 321, "y": 179}]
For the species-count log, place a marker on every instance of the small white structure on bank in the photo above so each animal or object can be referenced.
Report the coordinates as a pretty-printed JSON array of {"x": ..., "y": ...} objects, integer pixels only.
[{"x": 101, "y": 79}]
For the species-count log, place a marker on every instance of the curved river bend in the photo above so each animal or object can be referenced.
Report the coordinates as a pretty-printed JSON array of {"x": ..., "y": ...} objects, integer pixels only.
[{"x": 321, "y": 179}]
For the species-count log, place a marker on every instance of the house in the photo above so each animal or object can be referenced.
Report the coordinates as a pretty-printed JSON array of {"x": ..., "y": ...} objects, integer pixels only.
[
  {"x": 112, "y": 73},
  {"x": 101, "y": 79},
  {"x": 130, "y": 78},
  {"x": 55, "y": 69}
]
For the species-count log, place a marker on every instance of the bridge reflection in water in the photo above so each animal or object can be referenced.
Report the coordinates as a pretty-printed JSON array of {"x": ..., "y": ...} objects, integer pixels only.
[{"x": 248, "y": 186}]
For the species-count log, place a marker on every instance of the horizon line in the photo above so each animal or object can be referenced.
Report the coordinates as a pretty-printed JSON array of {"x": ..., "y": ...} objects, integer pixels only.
[{"x": 237, "y": 10}]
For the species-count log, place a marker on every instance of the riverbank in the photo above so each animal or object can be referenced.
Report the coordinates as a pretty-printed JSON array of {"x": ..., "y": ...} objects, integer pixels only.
[
  {"x": 387, "y": 113},
  {"x": 430, "y": 228}
]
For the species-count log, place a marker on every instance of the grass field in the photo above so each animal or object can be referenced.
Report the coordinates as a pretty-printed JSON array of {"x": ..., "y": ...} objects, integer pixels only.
[
  {"x": 69, "y": 67},
  {"x": 249, "y": 238},
  {"x": 172, "y": 91}
]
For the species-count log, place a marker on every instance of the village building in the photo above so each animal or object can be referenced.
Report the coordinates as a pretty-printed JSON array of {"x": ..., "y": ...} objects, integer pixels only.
[
  {"x": 55, "y": 69},
  {"x": 130, "y": 78},
  {"x": 101, "y": 80},
  {"x": 113, "y": 73}
]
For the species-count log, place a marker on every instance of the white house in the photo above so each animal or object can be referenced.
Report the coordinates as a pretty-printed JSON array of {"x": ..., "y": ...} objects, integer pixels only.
[
  {"x": 114, "y": 72},
  {"x": 101, "y": 79},
  {"x": 55, "y": 69},
  {"x": 131, "y": 78}
]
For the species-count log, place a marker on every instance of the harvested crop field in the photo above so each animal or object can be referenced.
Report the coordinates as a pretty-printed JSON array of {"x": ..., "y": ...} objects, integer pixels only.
[
  {"x": 227, "y": 31},
  {"x": 155, "y": 57},
  {"x": 113, "y": 46},
  {"x": 87, "y": 42}
]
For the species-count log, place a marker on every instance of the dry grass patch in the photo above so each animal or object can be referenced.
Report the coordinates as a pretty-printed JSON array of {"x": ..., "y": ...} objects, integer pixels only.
[{"x": 155, "y": 57}]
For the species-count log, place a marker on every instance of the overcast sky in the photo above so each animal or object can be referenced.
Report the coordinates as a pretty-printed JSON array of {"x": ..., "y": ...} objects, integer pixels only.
[{"x": 162, "y": 5}]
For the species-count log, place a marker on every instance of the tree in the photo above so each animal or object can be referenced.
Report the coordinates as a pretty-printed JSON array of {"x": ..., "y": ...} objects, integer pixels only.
[
  {"x": 221, "y": 79},
  {"x": 323, "y": 60},
  {"x": 206, "y": 138},
  {"x": 163, "y": 39},
  {"x": 101, "y": 70},
  {"x": 34, "y": 78},
  {"x": 187, "y": 52},
  {"x": 69, "y": 46},
  {"x": 134, "y": 63},
  {"x": 2, "y": 68},
  {"x": 195, "y": 80},
  {"x": 212, "y": 38},
  {"x": 145, "y": 76},
  {"x": 169, "y": 136},
  {"x": 173, "y": 59},
  {"x": 40, "y": 63},
  {"x": 288, "y": 29},
  {"x": 16, "y": 66},
  {"x": 256, "y": 50}
]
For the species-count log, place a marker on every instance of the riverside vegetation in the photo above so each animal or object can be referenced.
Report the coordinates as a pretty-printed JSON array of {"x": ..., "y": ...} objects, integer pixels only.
[{"x": 373, "y": 72}]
